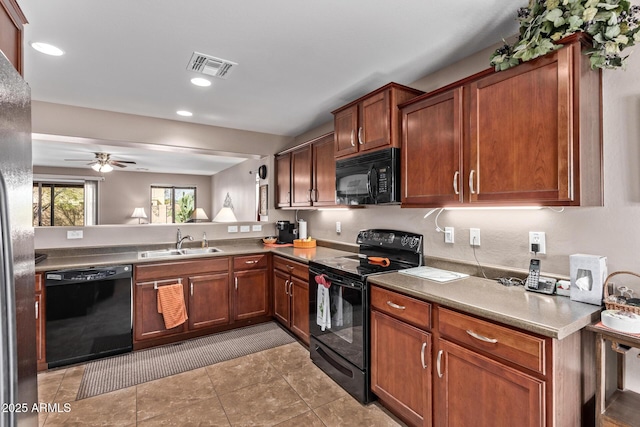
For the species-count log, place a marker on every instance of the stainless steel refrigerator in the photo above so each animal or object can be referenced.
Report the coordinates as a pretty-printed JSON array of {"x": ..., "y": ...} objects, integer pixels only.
[{"x": 17, "y": 304}]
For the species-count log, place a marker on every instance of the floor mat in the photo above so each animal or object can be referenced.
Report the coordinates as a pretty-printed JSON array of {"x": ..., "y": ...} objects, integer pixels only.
[{"x": 114, "y": 373}]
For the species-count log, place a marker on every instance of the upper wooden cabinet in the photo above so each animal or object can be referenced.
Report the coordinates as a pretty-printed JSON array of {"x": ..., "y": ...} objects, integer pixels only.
[
  {"x": 306, "y": 175},
  {"x": 372, "y": 121},
  {"x": 12, "y": 22},
  {"x": 530, "y": 135}
]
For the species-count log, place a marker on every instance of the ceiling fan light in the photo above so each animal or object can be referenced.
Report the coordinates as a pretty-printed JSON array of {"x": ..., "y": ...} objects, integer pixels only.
[
  {"x": 96, "y": 167},
  {"x": 106, "y": 168}
]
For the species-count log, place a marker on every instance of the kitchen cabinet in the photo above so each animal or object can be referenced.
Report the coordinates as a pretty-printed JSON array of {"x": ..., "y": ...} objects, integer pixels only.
[
  {"x": 372, "y": 121},
  {"x": 306, "y": 175},
  {"x": 41, "y": 335},
  {"x": 12, "y": 22},
  {"x": 291, "y": 296},
  {"x": 206, "y": 294},
  {"x": 622, "y": 407},
  {"x": 401, "y": 355},
  {"x": 479, "y": 380},
  {"x": 529, "y": 135},
  {"x": 251, "y": 287}
]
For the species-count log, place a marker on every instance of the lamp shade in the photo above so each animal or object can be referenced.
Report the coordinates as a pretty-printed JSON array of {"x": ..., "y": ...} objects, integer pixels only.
[
  {"x": 225, "y": 215},
  {"x": 199, "y": 215},
  {"x": 139, "y": 213}
]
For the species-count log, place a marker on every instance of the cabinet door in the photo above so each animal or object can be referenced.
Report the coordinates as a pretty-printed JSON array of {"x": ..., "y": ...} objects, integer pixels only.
[
  {"x": 208, "y": 300},
  {"x": 148, "y": 322},
  {"x": 251, "y": 294},
  {"x": 301, "y": 177},
  {"x": 374, "y": 121},
  {"x": 324, "y": 172},
  {"x": 40, "y": 331},
  {"x": 299, "y": 292},
  {"x": 478, "y": 391},
  {"x": 281, "y": 300},
  {"x": 283, "y": 180},
  {"x": 401, "y": 368},
  {"x": 346, "y": 128},
  {"x": 432, "y": 153},
  {"x": 521, "y": 133}
]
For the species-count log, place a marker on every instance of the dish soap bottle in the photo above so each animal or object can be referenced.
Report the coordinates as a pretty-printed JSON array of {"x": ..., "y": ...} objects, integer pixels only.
[{"x": 205, "y": 242}]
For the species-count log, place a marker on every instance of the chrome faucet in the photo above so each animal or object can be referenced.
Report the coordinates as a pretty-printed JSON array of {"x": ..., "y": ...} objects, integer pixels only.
[{"x": 181, "y": 239}]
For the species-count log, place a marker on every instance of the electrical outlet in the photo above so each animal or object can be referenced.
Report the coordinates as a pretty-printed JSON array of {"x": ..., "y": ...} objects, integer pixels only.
[
  {"x": 474, "y": 236},
  {"x": 537, "y": 237},
  {"x": 449, "y": 236},
  {"x": 338, "y": 227},
  {"x": 245, "y": 228},
  {"x": 232, "y": 229},
  {"x": 256, "y": 227}
]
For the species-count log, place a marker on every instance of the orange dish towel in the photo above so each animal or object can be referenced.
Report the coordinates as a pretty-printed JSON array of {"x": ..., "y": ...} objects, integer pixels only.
[{"x": 171, "y": 305}]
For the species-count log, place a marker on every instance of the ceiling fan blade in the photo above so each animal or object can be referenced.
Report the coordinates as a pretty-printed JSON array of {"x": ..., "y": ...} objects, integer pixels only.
[
  {"x": 124, "y": 161},
  {"x": 77, "y": 160},
  {"x": 116, "y": 163}
]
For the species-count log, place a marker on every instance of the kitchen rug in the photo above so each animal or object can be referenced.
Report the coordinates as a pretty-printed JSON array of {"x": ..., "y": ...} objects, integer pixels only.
[{"x": 113, "y": 373}]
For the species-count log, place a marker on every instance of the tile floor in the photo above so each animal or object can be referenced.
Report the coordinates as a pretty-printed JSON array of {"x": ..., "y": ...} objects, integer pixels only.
[{"x": 276, "y": 387}]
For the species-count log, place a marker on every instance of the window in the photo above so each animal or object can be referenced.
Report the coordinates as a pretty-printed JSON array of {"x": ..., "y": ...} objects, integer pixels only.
[
  {"x": 64, "y": 203},
  {"x": 172, "y": 204}
]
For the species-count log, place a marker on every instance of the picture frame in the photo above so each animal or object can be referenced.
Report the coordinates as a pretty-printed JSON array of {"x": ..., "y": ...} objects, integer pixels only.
[{"x": 263, "y": 200}]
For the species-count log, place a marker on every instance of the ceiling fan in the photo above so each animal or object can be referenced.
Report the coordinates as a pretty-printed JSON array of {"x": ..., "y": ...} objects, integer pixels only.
[{"x": 103, "y": 162}]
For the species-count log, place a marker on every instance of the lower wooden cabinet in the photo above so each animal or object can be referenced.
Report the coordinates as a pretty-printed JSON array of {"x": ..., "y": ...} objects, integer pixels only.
[
  {"x": 251, "y": 287},
  {"x": 291, "y": 296},
  {"x": 41, "y": 333},
  {"x": 209, "y": 300},
  {"x": 473, "y": 390},
  {"x": 401, "y": 368}
]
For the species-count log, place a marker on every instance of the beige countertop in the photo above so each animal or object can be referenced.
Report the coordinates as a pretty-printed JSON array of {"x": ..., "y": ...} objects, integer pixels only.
[
  {"x": 80, "y": 259},
  {"x": 549, "y": 315}
]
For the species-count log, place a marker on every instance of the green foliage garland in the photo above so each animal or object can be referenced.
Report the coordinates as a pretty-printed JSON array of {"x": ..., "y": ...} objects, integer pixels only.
[{"x": 612, "y": 24}]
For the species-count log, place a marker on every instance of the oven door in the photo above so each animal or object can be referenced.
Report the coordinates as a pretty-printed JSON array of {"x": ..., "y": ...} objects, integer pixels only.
[{"x": 346, "y": 331}]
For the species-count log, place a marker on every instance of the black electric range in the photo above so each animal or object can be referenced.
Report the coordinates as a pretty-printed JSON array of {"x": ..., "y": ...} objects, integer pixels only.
[{"x": 339, "y": 304}]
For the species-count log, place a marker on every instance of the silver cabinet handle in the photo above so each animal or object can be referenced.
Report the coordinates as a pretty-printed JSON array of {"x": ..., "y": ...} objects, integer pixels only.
[
  {"x": 191, "y": 286},
  {"x": 290, "y": 288},
  {"x": 286, "y": 287},
  {"x": 236, "y": 283},
  {"x": 482, "y": 338},
  {"x": 36, "y": 310},
  {"x": 251, "y": 262},
  {"x": 438, "y": 364},
  {"x": 399, "y": 307},
  {"x": 360, "y": 136},
  {"x": 352, "y": 144},
  {"x": 471, "y": 174},
  {"x": 309, "y": 197},
  {"x": 288, "y": 196},
  {"x": 455, "y": 182},
  {"x": 424, "y": 365}
]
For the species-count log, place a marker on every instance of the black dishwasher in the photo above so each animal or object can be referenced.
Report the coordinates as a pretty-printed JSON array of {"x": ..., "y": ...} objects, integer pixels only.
[{"x": 88, "y": 313}]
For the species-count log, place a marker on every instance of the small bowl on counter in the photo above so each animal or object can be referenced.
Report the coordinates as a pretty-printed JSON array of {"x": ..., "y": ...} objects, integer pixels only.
[{"x": 269, "y": 240}]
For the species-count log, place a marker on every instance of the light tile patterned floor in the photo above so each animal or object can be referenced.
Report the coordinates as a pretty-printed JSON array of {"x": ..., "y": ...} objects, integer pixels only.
[{"x": 276, "y": 387}]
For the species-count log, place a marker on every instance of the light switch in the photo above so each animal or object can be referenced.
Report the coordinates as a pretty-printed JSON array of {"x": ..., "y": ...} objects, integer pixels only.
[
  {"x": 232, "y": 229},
  {"x": 256, "y": 227},
  {"x": 245, "y": 228},
  {"x": 74, "y": 234}
]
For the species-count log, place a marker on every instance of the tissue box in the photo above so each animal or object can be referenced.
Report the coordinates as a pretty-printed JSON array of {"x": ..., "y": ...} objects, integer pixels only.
[{"x": 588, "y": 274}]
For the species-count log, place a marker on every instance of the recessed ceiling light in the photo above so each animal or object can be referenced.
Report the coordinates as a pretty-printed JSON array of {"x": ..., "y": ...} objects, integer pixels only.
[
  {"x": 47, "y": 49},
  {"x": 199, "y": 81},
  {"x": 184, "y": 113}
]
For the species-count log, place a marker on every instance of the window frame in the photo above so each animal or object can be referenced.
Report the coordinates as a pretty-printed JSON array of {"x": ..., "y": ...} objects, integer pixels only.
[{"x": 173, "y": 189}]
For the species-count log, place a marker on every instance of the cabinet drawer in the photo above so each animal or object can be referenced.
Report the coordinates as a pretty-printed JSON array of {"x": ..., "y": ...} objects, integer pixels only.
[
  {"x": 180, "y": 268},
  {"x": 291, "y": 267},
  {"x": 407, "y": 309},
  {"x": 249, "y": 262},
  {"x": 515, "y": 346}
]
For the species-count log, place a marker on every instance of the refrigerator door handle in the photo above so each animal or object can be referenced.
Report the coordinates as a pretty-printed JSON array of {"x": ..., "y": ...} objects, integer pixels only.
[{"x": 8, "y": 352}]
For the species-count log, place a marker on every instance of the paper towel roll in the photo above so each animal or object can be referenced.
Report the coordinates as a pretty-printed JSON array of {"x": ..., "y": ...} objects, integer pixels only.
[{"x": 302, "y": 229}]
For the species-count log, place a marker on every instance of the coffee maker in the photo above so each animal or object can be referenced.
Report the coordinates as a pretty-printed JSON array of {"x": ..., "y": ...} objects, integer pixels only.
[{"x": 287, "y": 232}]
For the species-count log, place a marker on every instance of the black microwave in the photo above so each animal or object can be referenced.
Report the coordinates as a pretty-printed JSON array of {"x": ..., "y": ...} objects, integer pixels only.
[{"x": 369, "y": 179}]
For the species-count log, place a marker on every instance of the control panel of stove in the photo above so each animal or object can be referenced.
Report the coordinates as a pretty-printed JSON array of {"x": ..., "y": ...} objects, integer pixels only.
[{"x": 391, "y": 239}]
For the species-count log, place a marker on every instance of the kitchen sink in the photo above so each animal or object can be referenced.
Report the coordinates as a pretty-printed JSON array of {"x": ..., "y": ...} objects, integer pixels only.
[{"x": 162, "y": 253}]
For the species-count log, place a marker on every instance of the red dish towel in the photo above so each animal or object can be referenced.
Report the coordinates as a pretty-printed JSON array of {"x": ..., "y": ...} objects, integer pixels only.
[{"x": 171, "y": 305}]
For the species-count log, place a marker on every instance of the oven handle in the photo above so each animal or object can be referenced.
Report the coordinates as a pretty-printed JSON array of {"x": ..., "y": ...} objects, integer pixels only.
[{"x": 337, "y": 280}]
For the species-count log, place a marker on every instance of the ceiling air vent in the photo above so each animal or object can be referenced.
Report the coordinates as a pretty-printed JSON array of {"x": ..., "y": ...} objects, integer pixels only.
[{"x": 210, "y": 65}]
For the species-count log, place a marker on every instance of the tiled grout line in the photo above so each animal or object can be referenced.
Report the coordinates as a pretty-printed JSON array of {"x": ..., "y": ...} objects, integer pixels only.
[{"x": 217, "y": 394}]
